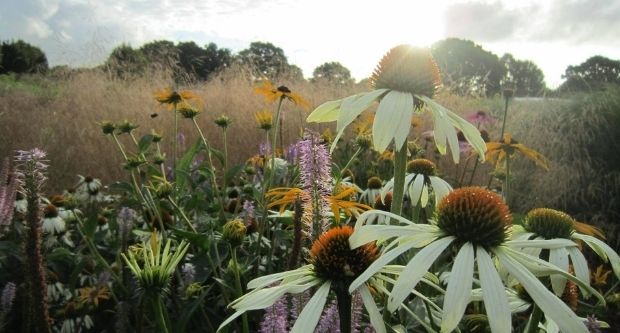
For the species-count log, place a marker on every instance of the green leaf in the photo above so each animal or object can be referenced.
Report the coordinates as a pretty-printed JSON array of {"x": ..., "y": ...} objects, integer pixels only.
[
  {"x": 185, "y": 163},
  {"x": 90, "y": 225},
  {"x": 121, "y": 186},
  {"x": 233, "y": 172},
  {"x": 200, "y": 240},
  {"x": 145, "y": 142},
  {"x": 219, "y": 155},
  {"x": 59, "y": 254}
]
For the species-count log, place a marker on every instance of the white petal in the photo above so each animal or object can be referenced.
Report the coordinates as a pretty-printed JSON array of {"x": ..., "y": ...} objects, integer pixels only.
[
  {"x": 415, "y": 270},
  {"x": 269, "y": 279},
  {"x": 375, "y": 316},
  {"x": 386, "y": 188},
  {"x": 440, "y": 187},
  {"x": 362, "y": 218},
  {"x": 383, "y": 260},
  {"x": 392, "y": 120},
  {"x": 559, "y": 258},
  {"x": 310, "y": 315},
  {"x": 580, "y": 265},
  {"x": 230, "y": 319},
  {"x": 415, "y": 189},
  {"x": 541, "y": 243},
  {"x": 325, "y": 112},
  {"x": 550, "y": 304},
  {"x": 459, "y": 288},
  {"x": 493, "y": 293},
  {"x": 424, "y": 197},
  {"x": 603, "y": 250},
  {"x": 354, "y": 105},
  {"x": 268, "y": 296}
]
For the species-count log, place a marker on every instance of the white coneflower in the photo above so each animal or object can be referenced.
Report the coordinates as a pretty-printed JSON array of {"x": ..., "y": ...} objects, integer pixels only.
[
  {"x": 52, "y": 222},
  {"x": 373, "y": 189},
  {"x": 87, "y": 190}
]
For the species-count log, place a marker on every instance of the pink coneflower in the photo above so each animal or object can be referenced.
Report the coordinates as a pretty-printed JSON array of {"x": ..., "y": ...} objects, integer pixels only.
[{"x": 479, "y": 117}]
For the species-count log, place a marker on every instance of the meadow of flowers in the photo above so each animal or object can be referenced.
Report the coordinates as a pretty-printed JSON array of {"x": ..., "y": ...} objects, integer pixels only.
[{"x": 249, "y": 205}]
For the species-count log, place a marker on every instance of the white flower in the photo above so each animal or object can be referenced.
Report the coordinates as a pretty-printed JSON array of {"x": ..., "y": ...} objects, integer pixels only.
[
  {"x": 480, "y": 232},
  {"x": 405, "y": 81}
]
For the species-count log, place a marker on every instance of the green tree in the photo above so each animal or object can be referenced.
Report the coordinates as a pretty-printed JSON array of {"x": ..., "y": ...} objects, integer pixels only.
[
  {"x": 467, "y": 69},
  {"x": 333, "y": 72},
  {"x": 203, "y": 62},
  {"x": 124, "y": 60},
  {"x": 523, "y": 76},
  {"x": 268, "y": 59},
  {"x": 20, "y": 57},
  {"x": 593, "y": 74},
  {"x": 161, "y": 53}
]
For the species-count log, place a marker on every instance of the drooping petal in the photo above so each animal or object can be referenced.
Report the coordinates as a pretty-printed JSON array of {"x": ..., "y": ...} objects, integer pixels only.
[
  {"x": 559, "y": 258},
  {"x": 392, "y": 120},
  {"x": 603, "y": 250},
  {"x": 580, "y": 265},
  {"x": 266, "y": 297},
  {"x": 493, "y": 293},
  {"x": 326, "y": 112},
  {"x": 310, "y": 315},
  {"x": 459, "y": 288},
  {"x": 550, "y": 304},
  {"x": 373, "y": 312},
  {"x": 383, "y": 260},
  {"x": 415, "y": 190},
  {"x": 440, "y": 187},
  {"x": 415, "y": 270},
  {"x": 354, "y": 105}
]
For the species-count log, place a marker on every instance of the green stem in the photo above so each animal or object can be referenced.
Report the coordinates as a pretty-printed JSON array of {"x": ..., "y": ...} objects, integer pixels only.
[
  {"x": 212, "y": 173},
  {"x": 532, "y": 324},
  {"x": 263, "y": 202},
  {"x": 507, "y": 181},
  {"x": 272, "y": 174},
  {"x": 344, "y": 300},
  {"x": 505, "y": 116},
  {"x": 400, "y": 165},
  {"x": 95, "y": 252},
  {"x": 359, "y": 150},
  {"x": 180, "y": 211},
  {"x": 159, "y": 313},
  {"x": 244, "y": 316}
]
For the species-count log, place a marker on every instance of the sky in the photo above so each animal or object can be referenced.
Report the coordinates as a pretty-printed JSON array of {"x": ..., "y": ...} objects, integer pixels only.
[{"x": 552, "y": 33}]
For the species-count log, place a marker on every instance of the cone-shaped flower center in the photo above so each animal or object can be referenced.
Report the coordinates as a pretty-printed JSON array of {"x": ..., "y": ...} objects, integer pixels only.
[
  {"x": 386, "y": 204},
  {"x": 549, "y": 223},
  {"x": 422, "y": 166},
  {"x": 408, "y": 69},
  {"x": 50, "y": 211},
  {"x": 333, "y": 258},
  {"x": 475, "y": 215},
  {"x": 374, "y": 183}
]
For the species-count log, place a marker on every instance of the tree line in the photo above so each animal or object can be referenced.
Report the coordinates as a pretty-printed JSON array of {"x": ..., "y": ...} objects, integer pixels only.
[{"x": 467, "y": 69}]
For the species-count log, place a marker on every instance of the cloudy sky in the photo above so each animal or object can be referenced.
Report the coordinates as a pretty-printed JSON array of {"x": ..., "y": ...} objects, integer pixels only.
[{"x": 552, "y": 33}]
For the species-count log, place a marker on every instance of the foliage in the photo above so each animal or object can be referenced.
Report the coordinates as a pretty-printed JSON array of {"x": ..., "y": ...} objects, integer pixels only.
[
  {"x": 333, "y": 72},
  {"x": 268, "y": 59},
  {"x": 523, "y": 76},
  {"x": 22, "y": 58},
  {"x": 203, "y": 62},
  {"x": 125, "y": 61},
  {"x": 467, "y": 69},
  {"x": 594, "y": 74}
]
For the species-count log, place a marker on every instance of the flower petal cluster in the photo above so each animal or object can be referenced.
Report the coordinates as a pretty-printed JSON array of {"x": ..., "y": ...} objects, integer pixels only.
[
  {"x": 405, "y": 82},
  {"x": 476, "y": 224}
]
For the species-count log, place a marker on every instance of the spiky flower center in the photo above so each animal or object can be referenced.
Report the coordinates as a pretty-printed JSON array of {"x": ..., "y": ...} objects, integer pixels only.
[
  {"x": 333, "y": 258},
  {"x": 422, "y": 166},
  {"x": 408, "y": 69},
  {"x": 476, "y": 215},
  {"x": 549, "y": 223},
  {"x": 386, "y": 204},
  {"x": 50, "y": 211},
  {"x": 374, "y": 183}
]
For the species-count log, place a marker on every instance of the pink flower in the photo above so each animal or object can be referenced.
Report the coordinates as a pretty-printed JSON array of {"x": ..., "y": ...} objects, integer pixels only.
[{"x": 480, "y": 117}]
